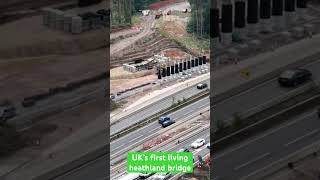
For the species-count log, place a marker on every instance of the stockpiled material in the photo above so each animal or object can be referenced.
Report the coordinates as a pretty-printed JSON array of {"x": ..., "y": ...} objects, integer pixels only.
[
  {"x": 59, "y": 20},
  {"x": 45, "y": 16},
  {"x": 76, "y": 25},
  {"x": 67, "y": 22}
]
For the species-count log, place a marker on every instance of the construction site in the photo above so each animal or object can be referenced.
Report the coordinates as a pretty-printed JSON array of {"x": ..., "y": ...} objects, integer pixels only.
[{"x": 139, "y": 54}]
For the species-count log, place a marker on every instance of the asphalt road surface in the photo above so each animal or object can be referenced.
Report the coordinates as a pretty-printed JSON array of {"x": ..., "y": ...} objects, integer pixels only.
[
  {"x": 260, "y": 151},
  {"x": 120, "y": 146},
  {"x": 267, "y": 91},
  {"x": 155, "y": 108},
  {"x": 241, "y": 165}
]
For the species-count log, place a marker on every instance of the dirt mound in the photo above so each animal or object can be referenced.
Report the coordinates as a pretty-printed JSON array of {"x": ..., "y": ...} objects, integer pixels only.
[
  {"x": 175, "y": 54},
  {"x": 174, "y": 28}
]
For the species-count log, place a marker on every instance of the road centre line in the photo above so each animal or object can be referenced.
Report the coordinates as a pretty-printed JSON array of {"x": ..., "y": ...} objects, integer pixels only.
[
  {"x": 252, "y": 161},
  {"x": 264, "y": 135},
  {"x": 136, "y": 138},
  {"x": 302, "y": 137}
]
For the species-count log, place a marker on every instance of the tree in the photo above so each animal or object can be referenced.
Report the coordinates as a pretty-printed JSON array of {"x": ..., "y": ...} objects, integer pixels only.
[{"x": 200, "y": 19}]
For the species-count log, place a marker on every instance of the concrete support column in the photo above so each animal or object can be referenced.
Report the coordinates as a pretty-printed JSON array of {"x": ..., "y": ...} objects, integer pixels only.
[
  {"x": 301, "y": 8},
  {"x": 226, "y": 26},
  {"x": 240, "y": 18},
  {"x": 252, "y": 17},
  {"x": 265, "y": 16},
  {"x": 215, "y": 28},
  {"x": 277, "y": 15},
  {"x": 290, "y": 14}
]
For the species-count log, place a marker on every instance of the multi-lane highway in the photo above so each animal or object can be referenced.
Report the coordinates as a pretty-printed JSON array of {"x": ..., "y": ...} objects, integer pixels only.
[
  {"x": 136, "y": 138},
  {"x": 246, "y": 100},
  {"x": 202, "y": 151},
  {"x": 97, "y": 168},
  {"x": 264, "y": 92},
  {"x": 258, "y": 152},
  {"x": 154, "y": 108}
]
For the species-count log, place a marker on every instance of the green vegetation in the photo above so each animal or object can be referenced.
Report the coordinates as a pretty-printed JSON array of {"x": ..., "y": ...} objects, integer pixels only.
[
  {"x": 200, "y": 19},
  {"x": 189, "y": 41},
  {"x": 237, "y": 121},
  {"x": 136, "y": 20},
  {"x": 220, "y": 125},
  {"x": 114, "y": 105},
  {"x": 122, "y": 11}
]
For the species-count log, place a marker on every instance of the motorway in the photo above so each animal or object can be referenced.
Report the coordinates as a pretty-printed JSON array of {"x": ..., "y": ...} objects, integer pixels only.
[
  {"x": 264, "y": 92},
  {"x": 258, "y": 152},
  {"x": 202, "y": 151},
  {"x": 96, "y": 170},
  {"x": 154, "y": 108},
  {"x": 246, "y": 100},
  {"x": 120, "y": 146}
]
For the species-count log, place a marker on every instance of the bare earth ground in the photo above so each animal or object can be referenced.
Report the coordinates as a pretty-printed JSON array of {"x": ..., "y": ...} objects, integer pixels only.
[
  {"x": 25, "y": 77},
  {"x": 121, "y": 79},
  {"x": 175, "y": 28}
]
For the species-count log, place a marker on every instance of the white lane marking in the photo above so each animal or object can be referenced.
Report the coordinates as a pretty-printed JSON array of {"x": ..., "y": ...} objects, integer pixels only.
[
  {"x": 302, "y": 137},
  {"x": 118, "y": 147},
  {"x": 247, "y": 91},
  {"x": 132, "y": 140},
  {"x": 216, "y": 178},
  {"x": 252, "y": 161},
  {"x": 113, "y": 155},
  {"x": 281, "y": 160},
  {"x": 200, "y": 107},
  {"x": 264, "y": 135}
]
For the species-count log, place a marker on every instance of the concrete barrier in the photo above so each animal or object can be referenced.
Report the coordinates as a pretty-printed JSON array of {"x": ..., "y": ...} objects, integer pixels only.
[
  {"x": 156, "y": 116},
  {"x": 264, "y": 122}
]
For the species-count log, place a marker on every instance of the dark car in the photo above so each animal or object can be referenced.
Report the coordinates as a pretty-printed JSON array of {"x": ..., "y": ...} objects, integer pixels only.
[
  {"x": 294, "y": 77},
  {"x": 163, "y": 119},
  {"x": 167, "y": 123},
  {"x": 185, "y": 149},
  {"x": 7, "y": 112},
  {"x": 202, "y": 86}
]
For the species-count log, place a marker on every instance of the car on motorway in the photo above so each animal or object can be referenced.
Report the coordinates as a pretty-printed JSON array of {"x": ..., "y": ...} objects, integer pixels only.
[
  {"x": 294, "y": 77},
  {"x": 7, "y": 112},
  {"x": 162, "y": 119},
  {"x": 202, "y": 86},
  {"x": 185, "y": 149},
  {"x": 198, "y": 143},
  {"x": 167, "y": 123}
]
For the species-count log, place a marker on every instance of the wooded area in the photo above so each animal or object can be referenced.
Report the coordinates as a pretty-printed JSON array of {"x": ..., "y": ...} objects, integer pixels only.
[
  {"x": 122, "y": 10},
  {"x": 200, "y": 19}
]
